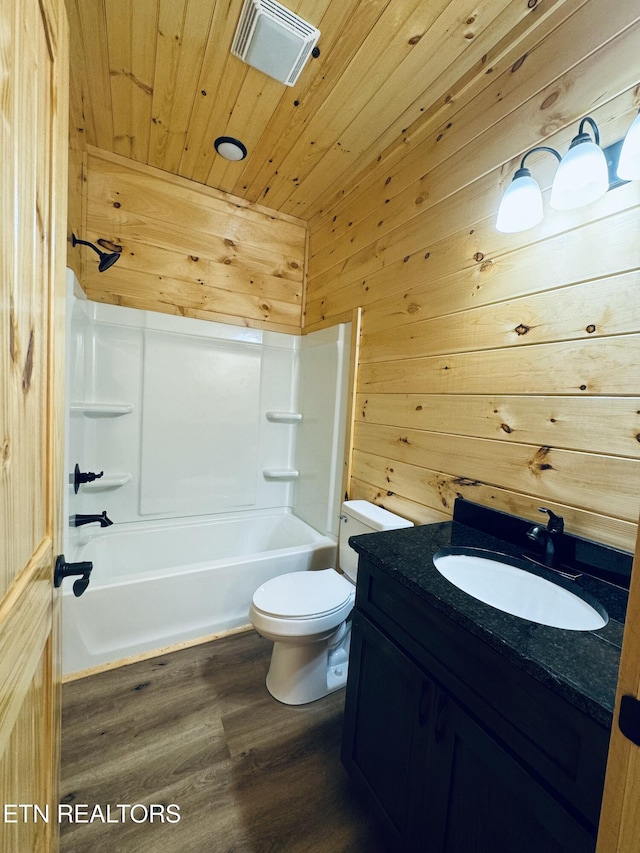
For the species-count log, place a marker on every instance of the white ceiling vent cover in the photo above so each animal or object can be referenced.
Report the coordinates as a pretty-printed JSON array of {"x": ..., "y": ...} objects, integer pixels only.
[{"x": 273, "y": 40}]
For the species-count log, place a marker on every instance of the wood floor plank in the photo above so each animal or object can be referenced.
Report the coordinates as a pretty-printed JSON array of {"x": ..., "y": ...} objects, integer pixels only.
[{"x": 197, "y": 728}]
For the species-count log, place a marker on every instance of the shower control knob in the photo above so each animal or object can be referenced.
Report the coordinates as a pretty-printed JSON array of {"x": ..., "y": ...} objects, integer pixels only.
[
  {"x": 80, "y": 477},
  {"x": 65, "y": 570}
]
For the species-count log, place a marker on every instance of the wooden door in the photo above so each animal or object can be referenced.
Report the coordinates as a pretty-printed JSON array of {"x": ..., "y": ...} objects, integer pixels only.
[
  {"x": 33, "y": 190},
  {"x": 620, "y": 818}
]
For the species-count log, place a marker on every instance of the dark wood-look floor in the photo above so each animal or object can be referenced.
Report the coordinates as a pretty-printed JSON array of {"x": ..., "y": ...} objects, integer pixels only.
[{"x": 197, "y": 728}]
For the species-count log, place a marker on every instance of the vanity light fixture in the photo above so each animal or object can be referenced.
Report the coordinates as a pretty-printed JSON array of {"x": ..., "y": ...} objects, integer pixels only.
[
  {"x": 230, "y": 148},
  {"x": 521, "y": 205},
  {"x": 583, "y": 175},
  {"x": 629, "y": 162},
  {"x": 107, "y": 259}
]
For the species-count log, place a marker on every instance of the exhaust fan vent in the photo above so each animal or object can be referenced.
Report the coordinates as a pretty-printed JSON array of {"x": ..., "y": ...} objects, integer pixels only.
[{"x": 274, "y": 40}]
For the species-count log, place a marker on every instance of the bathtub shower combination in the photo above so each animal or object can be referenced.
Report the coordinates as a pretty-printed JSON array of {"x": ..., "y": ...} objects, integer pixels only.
[
  {"x": 155, "y": 585},
  {"x": 217, "y": 453}
]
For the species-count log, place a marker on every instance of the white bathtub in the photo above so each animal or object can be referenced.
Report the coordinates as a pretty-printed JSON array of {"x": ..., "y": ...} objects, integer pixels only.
[{"x": 157, "y": 584}]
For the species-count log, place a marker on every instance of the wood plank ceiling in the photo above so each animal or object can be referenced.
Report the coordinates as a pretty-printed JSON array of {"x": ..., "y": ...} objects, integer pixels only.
[{"x": 154, "y": 80}]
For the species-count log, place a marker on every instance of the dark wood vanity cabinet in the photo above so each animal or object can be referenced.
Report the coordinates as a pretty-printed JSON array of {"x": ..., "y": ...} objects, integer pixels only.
[
  {"x": 443, "y": 769},
  {"x": 387, "y": 726}
]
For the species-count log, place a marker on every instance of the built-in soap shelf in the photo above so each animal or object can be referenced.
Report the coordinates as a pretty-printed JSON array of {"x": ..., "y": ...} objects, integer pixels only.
[
  {"x": 106, "y": 482},
  {"x": 280, "y": 474},
  {"x": 101, "y": 410},
  {"x": 284, "y": 417}
]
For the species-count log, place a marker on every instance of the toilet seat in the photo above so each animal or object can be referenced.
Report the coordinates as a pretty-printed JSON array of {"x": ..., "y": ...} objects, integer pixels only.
[
  {"x": 302, "y": 606},
  {"x": 303, "y": 595},
  {"x": 306, "y": 614}
]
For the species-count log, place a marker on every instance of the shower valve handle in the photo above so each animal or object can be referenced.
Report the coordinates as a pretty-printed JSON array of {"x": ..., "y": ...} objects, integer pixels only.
[
  {"x": 79, "y": 477},
  {"x": 65, "y": 570}
]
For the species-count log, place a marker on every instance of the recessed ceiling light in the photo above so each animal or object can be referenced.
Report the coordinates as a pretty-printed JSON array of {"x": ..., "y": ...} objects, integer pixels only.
[{"x": 230, "y": 148}]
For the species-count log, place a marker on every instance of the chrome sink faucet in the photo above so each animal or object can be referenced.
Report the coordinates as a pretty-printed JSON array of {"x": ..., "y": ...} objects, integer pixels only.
[{"x": 548, "y": 537}]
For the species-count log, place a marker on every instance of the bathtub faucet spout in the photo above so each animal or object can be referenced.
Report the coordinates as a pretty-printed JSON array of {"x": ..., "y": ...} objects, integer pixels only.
[{"x": 102, "y": 519}]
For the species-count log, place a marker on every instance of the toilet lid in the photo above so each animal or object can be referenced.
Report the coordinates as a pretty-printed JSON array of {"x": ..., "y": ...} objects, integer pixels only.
[{"x": 298, "y": 594}]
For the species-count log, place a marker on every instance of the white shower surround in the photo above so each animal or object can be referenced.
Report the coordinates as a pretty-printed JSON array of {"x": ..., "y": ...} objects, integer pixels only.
[{"x": 189, "y": 573}]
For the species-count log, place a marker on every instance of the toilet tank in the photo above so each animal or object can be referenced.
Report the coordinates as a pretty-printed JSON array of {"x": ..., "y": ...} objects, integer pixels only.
[{"x": 363, "y": 517}]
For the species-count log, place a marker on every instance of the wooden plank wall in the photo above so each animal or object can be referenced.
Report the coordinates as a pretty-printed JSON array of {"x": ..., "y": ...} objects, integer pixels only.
[
  {"x": 189, "y": 249},
  {"x": 503, "y": 368},
  {"x": 77, "y": 144}
]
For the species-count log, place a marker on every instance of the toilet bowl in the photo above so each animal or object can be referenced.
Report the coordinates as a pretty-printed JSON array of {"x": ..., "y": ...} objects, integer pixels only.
[{"x": 305, "y": 614}]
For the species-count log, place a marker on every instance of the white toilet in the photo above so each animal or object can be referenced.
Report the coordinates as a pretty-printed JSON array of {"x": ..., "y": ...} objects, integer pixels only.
[{"x": 305, "y": 614}]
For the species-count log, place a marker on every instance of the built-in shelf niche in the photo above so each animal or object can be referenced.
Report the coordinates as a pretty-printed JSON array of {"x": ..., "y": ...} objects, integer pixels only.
[
  {"x": 280, "y": 474},
  {"x": 106, "y": 482},
  {"x": 284, "y": 417},
  {"x": 101, "y": 410}
]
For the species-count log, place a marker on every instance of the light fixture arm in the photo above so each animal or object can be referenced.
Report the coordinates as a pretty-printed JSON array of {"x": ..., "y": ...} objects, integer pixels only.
[
  {"x": 594, "y": 127},
  {"x": 540, "y": 148}
]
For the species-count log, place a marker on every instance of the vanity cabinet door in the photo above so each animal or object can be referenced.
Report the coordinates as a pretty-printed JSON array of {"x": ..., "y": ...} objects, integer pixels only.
[
  {"x": 434, "y": 777},
  {"x": 484, "y": 800},
  {"x": 388, "y": 718}
]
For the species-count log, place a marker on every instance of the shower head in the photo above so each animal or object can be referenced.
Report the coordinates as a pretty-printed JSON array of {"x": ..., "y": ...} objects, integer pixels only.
[{"x": 107, "y": 259}]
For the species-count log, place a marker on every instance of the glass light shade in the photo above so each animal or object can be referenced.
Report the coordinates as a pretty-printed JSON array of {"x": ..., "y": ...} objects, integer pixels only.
[
  {"x": 582, "y": 176},
  {"x": 629, "y": 162},
  {"x": 521, "y": 205},
  {"x": 230, "y": 148}
]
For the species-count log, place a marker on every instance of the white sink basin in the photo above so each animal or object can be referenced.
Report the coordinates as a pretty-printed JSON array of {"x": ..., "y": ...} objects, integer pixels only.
[{"x": 520, "y": 592}]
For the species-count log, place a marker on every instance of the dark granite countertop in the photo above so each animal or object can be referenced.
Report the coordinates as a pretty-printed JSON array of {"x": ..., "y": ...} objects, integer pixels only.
[{"x": 581, "y": 666}]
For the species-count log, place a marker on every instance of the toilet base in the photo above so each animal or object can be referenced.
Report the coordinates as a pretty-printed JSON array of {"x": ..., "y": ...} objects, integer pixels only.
[{"x": 302, "y": 673}]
